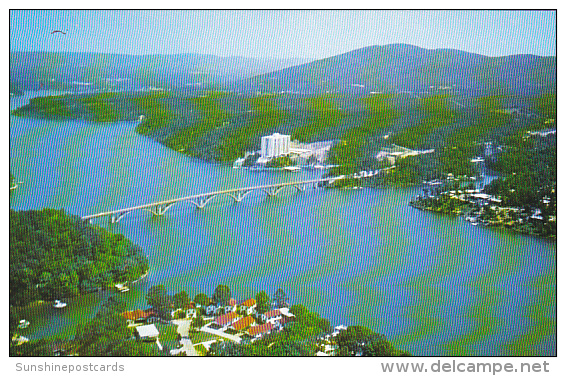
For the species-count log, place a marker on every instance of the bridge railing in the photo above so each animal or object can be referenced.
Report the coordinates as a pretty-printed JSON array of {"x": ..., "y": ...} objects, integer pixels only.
[{"x": 168, "y": 203}]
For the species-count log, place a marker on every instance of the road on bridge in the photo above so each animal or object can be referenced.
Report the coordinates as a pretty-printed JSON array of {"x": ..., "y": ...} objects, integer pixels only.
[{"x": 237, "y": 194}]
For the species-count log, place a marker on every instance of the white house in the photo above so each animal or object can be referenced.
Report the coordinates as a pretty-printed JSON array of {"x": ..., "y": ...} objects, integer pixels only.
[
  {"x": 226, "y": 320},
  {"x": 272, "y": 316},
  {"x": 259, "y": 330},
  {"x": 147, "y": 332},
  {"x": 338, "y": 329},
  {"x": 215, "y": 310},
  {"x": 248, "y": 306},
  {"x": 285, "y": 312}
]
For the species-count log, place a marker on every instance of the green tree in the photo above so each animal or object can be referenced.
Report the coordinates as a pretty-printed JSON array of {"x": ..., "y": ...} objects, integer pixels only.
[
  {"x": 307, "y": 324},
  {"x": 14, "y": 321},
  {"x": 325, "y": 325},
  {"x": 107, "y": 335},
  {"x": 280, "y": 298},
  {"x": 263, "y": 302},
  {"x": 198, "y": 322},
  {"x": 350, "y": 340},
  {"x": 202, "y": 299},
  {"x": 359, "y": 340},
  {"x": 222, "y": 295},
  {"x": 181, "y": 299},
  {"x": 161, "y": 302},
  {"x": 377, "y": 345},
  {"x": 280, "y": 162},
  {"x": 226, "y": 348},
  {"x": 292, "y": 348},
  {"x": 54, "y": 255},
  {"x": 41, "y": 347}
]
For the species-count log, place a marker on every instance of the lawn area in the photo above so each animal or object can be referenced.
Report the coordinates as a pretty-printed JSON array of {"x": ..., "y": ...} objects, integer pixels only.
[
  {"x": 168, "y": 335},
  {"x": 198, "y": 337},
  {"x": 201, "y": 350}
]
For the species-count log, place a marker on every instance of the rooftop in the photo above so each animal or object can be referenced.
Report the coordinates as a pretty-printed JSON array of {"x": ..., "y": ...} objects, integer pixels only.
[
  {"x": 137, "y": 314},
  {"x": 273, "y": 313},
  {"x": 260, "y": 329},
  {"x": 277, "y": 136},
  {"x": 226, "y": 319},
  {"x": 147, "y": 331},
  {"x": 248, "y": 303},
  {"x": 243, "y": 323}
]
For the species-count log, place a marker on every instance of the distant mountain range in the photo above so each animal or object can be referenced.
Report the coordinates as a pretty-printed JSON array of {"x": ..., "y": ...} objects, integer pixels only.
[
  {"x": 407, "y": 68},
  {"x": 374, "y": 69},
  {"x": 121, "y": 72}
]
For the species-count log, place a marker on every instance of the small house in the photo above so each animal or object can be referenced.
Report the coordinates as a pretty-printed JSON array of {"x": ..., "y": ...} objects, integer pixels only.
[
  {"x": 139, "y": 316},
  {"x": 260, "y": 330},
  {"x": 231, "y": 306},
  {"x": 243, "y": 323},
  {"x": 192, "y": 310},
  {"x": 147, "y": 332},
  {"x": 226, "y": 320},
  {"x": 248, "y": 306},
  {"x": 212, "y": 310},
  {"x": 272, "y": 316}
]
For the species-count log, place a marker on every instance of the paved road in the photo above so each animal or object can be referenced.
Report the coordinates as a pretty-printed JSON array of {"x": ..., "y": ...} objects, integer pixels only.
[
  {"x": 167, "y": 203},
  {"x": 188, "y": 347},
  {"x": 183, "y": 329}
]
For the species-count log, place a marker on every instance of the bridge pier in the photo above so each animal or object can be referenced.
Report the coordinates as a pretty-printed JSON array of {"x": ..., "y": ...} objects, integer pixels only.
[
  {"x": 160, "y": 209},
  {"x": 273, "y": 190},
  {"x": 113, "y": 218},
  {"x": 239, "y": 195},
  {"x": 299, "y": 187},
  {"x": 200, "y": 202}
]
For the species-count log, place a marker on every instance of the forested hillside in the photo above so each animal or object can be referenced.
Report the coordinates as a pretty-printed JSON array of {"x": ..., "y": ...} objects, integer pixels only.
[
  {"x": 397, "y": 68},
  {"x": 223, "y": 126},
  {"x": 55, "y": 255}
]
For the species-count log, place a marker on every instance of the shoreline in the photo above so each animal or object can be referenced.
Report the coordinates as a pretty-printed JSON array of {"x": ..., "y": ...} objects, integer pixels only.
[
  {"x": 141, "y": 277},
  {"x": 39, "y": 303},
  {"x": 486, "y": 224}
]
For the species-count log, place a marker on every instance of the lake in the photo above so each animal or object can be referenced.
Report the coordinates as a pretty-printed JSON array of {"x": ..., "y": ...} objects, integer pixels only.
[{"x": 433, "y": 284}]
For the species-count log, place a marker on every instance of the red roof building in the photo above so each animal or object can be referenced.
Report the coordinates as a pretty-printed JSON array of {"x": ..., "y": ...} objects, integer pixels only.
[
  {"x": 272, "y": 314},
  {"x": 286, "y": 319},
  {"x": 243, "y": 323},
  {"x": 136, "y": 315},
  {"x": 129, "y": 315},
  {"x": 260, "y": 329},
  {"x": 226, "y": 319},
  {"x": 248, "y": 303}
]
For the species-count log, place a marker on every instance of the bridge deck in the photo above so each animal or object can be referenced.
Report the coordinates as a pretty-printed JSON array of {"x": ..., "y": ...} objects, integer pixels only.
[{"x": 208, "y": 194}]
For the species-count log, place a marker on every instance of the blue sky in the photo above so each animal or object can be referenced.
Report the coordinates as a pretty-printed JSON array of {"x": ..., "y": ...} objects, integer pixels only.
[{"x": 282, "y": 34}]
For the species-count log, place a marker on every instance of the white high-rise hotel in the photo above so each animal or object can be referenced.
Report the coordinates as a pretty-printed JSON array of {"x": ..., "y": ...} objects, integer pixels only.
[{"x": 275, "y": 145}]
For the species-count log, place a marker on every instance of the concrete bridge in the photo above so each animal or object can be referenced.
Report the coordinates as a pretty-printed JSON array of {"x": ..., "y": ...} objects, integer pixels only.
[{"x": 201, "y": 200}]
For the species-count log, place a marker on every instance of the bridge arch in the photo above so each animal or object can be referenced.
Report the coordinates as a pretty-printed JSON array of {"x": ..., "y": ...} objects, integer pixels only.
[
  {"x": 239, "y": 195},
  {"x": 200, "y": 202},
  {"x": 115, "y": 218}
]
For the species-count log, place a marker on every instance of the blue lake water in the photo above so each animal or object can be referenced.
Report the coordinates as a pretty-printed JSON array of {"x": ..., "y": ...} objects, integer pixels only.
[{"x": 433, "y": 284}]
